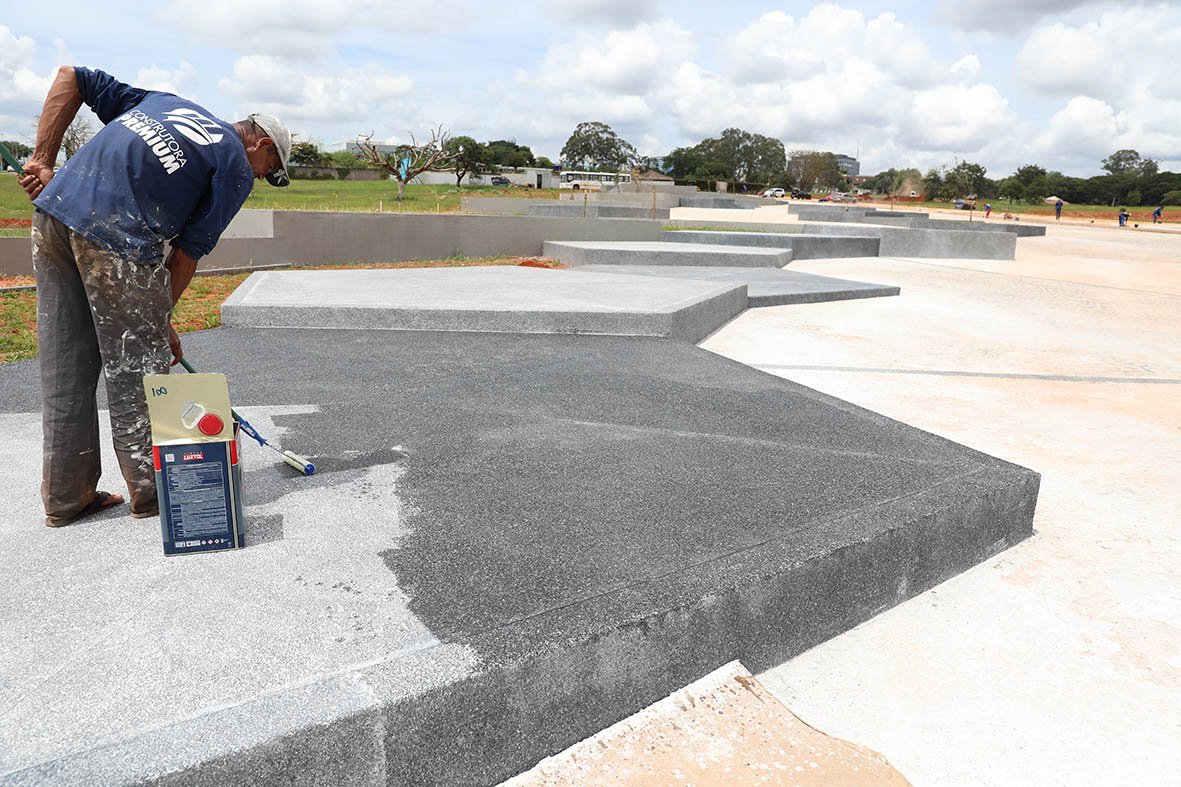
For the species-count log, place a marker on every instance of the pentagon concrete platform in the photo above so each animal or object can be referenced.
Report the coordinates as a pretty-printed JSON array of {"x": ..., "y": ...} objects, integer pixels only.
[
  {"x": 803, "y": 247},
  {"x": 513, "y": 541},
  {"x": 499, "y": 299},
  {"x": 764, "y": 286},
  {"x": 658, "y": 253}
]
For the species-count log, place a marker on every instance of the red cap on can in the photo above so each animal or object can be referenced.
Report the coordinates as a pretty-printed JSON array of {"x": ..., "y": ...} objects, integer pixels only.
[{"x": 210, "y": 425}]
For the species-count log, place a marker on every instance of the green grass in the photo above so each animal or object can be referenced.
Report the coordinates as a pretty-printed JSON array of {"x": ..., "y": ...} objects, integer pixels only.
[
  {"x": 372, "y": 195},
  {"x": 336, "y": 195},
  {"x": 18, "y": 325},
  {"x": 14, "y": 202}
]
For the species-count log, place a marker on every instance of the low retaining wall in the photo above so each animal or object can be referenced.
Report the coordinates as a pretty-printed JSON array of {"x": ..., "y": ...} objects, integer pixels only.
[
  {"x": 911, "y": 242},
  {"x": 314, "y": 238},
  {"x": 727, "y": 203},
  {"x": 598, "y": 211}
]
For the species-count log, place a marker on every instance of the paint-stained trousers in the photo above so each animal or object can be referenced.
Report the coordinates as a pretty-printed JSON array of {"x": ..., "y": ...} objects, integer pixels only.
[{"x": 95, "y": 310}]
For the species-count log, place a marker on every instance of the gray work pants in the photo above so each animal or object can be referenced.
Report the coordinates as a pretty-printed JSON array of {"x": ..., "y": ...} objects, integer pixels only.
[{"x": 95, "y": 310}]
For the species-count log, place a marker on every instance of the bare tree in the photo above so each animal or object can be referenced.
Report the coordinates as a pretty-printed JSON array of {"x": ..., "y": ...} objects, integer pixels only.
[
  {"x": 77, "y": 134},
  {"x": 409, "y": 161}
]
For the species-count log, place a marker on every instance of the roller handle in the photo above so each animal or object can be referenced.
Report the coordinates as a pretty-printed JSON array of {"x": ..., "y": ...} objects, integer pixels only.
[{"x": 10, "y": 159}]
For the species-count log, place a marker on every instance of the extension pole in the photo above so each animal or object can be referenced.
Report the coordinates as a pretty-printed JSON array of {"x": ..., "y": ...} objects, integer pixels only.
[{"x": 295, "y": 460}]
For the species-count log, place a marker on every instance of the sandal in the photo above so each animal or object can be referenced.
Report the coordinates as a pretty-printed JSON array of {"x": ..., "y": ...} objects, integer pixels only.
[{"x": 101, "y": 502}]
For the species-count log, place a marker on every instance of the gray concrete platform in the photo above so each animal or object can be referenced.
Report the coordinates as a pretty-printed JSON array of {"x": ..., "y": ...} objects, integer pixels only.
[
  {"x": 764, "y": 286},
  {"x": 658, "y": 253},
  {"x": 803, "y": 247},
  {"x": 503, "y": 299},
  {"x": 513, "y": 541}
]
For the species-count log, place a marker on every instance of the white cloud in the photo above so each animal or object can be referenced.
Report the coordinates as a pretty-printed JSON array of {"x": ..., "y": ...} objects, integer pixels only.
[
  {"x": 613, "y": 13},
  {"x": 1008, "y": 17},
  {"x": 25, "y": 87},
  {"x": 956, "y": 118},
  {"x": 175, "y": 81},
  {"x": 967, "y": 67},
  {"x": 337, "y": 95},
  {"x": 299, "y": 30}
]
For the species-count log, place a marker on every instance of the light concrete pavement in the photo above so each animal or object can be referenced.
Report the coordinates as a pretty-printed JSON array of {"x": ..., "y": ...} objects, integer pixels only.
[{"x": 1058, "y": 662}]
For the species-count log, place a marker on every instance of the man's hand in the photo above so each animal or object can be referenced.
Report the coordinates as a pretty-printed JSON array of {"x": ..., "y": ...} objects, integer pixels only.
[
  {"x": 174, "y": 344},
  {"x": 36, "y": 178}
]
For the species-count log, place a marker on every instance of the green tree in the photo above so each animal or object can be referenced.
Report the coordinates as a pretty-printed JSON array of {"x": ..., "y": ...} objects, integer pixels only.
[
  {"x": 18, "y": 149},
  {"x": 814, "y": 169},
  {"x": 1171, "y": 198},
  {"x": 507, "y": 153},
  {"x": 305, "y": 154},
  {"x": 1128, "y": 162},
  {"x": 343, "y": 159},
  {"x": 967, "y": 179},
  {"x": 645, "y": 163},
  {"x": 894, "y": 181},
  {"x": 683, "y": 163},
  {"x": 542, "y": 161},
  {"x": 745, "y": 157},
  {"x": 596, "y": 146},
  {"x": 470, "y": 156}
]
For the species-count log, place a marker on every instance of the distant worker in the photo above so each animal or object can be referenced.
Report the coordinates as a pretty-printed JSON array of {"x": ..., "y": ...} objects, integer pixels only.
[
  {"x": 162, "y": 169},
  {"x": 1124, "y": 216},
  {"x": 1058, "y": 210},
  {"x": 1156, "y": 215},
  {"x": 987, "y": 210}
]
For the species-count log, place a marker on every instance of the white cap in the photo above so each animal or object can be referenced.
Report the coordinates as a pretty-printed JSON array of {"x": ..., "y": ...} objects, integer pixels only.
[{"x": 279, "y": 134}]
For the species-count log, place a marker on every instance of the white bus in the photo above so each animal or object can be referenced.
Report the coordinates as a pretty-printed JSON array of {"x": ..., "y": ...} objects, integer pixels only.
[{"x": 592, "y": 181}]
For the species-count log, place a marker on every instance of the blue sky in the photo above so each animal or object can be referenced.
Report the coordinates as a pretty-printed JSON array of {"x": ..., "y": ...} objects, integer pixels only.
[{"x": 1060, "y": 83}]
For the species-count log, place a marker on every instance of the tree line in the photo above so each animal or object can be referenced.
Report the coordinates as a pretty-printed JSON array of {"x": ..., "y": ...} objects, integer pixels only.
[
  {"x": 743, "y": 157},
  {"x": 1130, "y": 180}
]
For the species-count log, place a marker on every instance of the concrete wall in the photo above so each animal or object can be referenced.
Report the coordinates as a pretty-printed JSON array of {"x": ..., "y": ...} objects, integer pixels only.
[
  {"x": 910, "y": 242},
  {"x": 725, "y": 202},
  {"x": 597, "y": 211},
  {"x": 647, "y": 199},
  {"x": 313, "y": 238},
  {"x": 499, "y": 206}
]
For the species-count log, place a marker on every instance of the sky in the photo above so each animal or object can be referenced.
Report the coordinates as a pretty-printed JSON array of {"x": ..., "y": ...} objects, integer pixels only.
[{"x": 1002, "y": 83}]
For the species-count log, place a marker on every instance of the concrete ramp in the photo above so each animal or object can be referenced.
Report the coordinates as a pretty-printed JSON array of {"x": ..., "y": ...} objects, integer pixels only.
[
  {"x": 803, "y": 247},
  {"x": 764, "y": 286},
  {"x": 499, "y": 299},
  {"x": 657, "y": 253}
]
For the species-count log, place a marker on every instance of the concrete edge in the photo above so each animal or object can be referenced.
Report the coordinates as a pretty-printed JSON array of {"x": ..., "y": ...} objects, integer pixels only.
[
  {"x": 762, "y": 301},
  {"x": 550, "y": 693}
]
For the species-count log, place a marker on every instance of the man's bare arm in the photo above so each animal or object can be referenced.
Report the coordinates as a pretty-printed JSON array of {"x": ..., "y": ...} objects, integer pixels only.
[
  {"x": 180, "y": 272},
  {"x": 60, "y": 108}
]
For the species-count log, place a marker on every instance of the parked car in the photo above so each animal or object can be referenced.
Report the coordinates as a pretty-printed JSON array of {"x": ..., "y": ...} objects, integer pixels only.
[
  {"x": 797, "y": 194},
  {"x": 500, "y": 180},
  {"x": 964, "y": 204},
  {"x": 774, "y": 193}
]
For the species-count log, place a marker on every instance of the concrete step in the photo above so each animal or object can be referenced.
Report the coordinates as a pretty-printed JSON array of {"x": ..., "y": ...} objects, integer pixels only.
[
  {"x": 500, "y": 299},
  {"x": 657, "y": 253},
  {"x": 803, "y": 247},
  {"x": 764, "y": 286}
]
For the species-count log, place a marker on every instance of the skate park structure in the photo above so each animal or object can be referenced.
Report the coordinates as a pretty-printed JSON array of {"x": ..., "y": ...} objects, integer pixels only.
[{"x": 539, "y": 509}]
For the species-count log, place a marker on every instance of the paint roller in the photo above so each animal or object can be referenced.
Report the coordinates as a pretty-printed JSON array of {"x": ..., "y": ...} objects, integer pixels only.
[{"x": 291, "y": 458}]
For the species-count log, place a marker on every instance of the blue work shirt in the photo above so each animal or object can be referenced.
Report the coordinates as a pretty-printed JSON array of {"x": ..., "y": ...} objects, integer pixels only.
[{"x": 161, "y": 168}]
